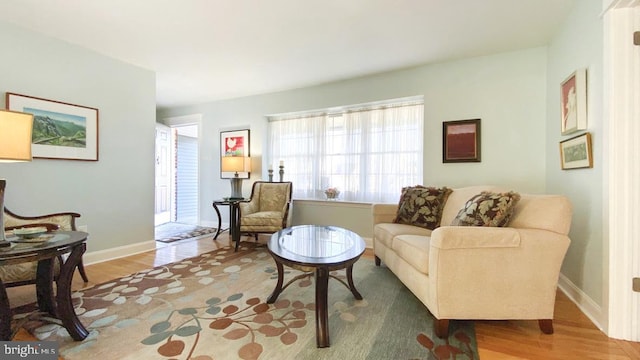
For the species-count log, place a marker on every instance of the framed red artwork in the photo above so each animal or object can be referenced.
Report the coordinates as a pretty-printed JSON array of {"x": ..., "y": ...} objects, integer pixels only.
[{"x": 461, "y": 141}]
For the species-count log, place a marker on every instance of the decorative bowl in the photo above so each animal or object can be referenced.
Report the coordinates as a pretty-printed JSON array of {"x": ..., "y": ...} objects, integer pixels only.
[{"x": 29, "y": 232}]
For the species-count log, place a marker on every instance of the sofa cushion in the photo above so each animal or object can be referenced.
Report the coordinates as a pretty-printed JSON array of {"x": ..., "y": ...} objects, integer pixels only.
[
  {"x": 386, "y": 232},
  {"x": 487, "y": 209},
  {"x": 414, "y": 249},
  {"x": 421, "y": 206}
]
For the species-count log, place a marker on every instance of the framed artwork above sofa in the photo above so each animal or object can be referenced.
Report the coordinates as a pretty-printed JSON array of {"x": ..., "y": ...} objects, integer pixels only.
[{"x": 461, "y": 141}]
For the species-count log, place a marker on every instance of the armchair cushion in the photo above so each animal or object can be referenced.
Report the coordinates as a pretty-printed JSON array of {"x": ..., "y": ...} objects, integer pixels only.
[
  {"x": 25, "y": 272},
  {"x": 263, "y": 221},
  {"x": 487, "y": 209}
]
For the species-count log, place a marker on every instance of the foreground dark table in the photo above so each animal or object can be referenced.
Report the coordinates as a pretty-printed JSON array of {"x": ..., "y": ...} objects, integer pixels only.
[
  {"x": 58, "y": 305},
  {"x": 321, "y": 249}
]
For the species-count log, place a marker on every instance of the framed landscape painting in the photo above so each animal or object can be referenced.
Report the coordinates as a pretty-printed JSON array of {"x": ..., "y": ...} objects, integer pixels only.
[
  {"x": 234, "y": 143},
  {"x": 575, "y": 153},
  {"x": 461, "y": 141},
  {"x": 60, "y": 130}
]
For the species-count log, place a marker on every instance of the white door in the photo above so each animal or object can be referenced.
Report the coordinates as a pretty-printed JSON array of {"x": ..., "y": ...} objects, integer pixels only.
[{"x": 163, "y": 175}]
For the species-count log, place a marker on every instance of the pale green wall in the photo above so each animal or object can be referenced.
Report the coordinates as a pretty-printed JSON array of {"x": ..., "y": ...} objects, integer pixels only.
[
  {"x": 579, "y": 44},
  {"x": 507, "y": 91},
  {"x": 115, "y": 194}
]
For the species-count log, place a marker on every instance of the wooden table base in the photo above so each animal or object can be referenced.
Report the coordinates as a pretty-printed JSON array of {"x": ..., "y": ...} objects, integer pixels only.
[{"x": 322, "y": 274}]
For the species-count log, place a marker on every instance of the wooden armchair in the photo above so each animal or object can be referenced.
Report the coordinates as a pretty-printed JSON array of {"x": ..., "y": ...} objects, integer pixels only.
[
  {"x": 267, "y": 210},
  {"x": 24, "y": 274}
]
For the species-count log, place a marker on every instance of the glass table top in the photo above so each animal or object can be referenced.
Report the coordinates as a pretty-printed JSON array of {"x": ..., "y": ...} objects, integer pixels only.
[{"x": 316, "y": 244}]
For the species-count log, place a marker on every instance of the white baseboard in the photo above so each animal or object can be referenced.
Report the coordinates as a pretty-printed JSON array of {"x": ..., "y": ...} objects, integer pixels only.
[
  {"x": 95, "y": 257},
  {"x": 589, "y": 307},
  {"x": 368, "y": 242}
]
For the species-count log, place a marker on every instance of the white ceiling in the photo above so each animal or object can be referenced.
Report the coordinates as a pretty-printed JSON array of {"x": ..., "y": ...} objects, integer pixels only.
[{"x": 206, "y": 50}]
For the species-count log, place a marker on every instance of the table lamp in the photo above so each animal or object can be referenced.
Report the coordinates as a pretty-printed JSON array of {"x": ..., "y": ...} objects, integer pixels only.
[
  {"x": 15, "y": 146},
  {"x": 236, "y": 164}
]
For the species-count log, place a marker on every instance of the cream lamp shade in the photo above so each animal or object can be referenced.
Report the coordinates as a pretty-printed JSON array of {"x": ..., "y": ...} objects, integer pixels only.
[
  {"x": 236, "y": 164},
  {"x": 15, "y": 136},
  {"x": 15, "y": 146}
]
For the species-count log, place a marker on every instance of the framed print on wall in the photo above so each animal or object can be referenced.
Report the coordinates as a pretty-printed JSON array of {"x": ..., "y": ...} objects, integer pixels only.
[
  {"x": 60, "y": 130},
  {"x": 461, "y": 141},
  {"x": 573, "y": 100},
  {"x": 575, "y": 153},
  {"x": 234, "y": 143}
]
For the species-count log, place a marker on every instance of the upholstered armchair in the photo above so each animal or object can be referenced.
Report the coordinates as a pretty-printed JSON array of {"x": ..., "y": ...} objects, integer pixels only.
[
  {"x": 267, "y": 210},
  {"x": 24, "y": 274}
]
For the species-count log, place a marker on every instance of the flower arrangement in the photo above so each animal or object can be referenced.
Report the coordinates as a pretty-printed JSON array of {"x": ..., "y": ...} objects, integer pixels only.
[{"x": 332, "y": 193}]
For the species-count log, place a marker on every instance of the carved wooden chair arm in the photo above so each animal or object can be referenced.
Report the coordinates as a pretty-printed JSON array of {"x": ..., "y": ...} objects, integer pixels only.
[{"x": 65, "y": 220}]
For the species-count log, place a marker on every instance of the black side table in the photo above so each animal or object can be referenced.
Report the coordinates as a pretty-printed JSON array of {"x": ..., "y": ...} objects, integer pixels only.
[{"x": 234, "y": 218}]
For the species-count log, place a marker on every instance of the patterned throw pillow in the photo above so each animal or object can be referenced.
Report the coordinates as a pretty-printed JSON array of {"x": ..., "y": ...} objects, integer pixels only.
[
  {"x": 421, "y": 206},
  {"x": 487, "y": 209}
]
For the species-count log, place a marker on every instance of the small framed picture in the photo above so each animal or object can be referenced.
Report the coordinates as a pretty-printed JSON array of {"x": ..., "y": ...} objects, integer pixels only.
[
  {"x": 575, "y": 153},
  {"x": 573, "y": 100},
  {"x": 60, "y": 130},
  {"x": 234, "y": 143},
  {"x": 461, "y": 141}
]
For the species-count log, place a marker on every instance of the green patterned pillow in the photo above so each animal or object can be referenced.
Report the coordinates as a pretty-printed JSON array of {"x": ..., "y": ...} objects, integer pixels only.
[
  {"x": 487, "y": 209},
  {"x": 421, "y": 206}
]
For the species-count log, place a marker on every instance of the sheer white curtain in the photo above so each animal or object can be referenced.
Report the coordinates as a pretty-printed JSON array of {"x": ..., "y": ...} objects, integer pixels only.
[{"x": 369, "y": 152}]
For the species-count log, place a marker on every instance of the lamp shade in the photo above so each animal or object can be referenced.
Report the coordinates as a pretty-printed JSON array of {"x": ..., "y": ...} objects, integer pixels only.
[
  {"x": 236, "y": 164},
  {"x": 15, "y": 136}
]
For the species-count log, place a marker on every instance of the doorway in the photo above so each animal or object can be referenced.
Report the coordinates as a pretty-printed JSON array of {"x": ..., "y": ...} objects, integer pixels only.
[{"x": 177, "y": 177}]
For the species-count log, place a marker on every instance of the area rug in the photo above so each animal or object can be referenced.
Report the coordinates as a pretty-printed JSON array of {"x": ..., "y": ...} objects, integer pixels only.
[
  {"x": 213, "y": 307},
  {"x": 194, "y": 231}
]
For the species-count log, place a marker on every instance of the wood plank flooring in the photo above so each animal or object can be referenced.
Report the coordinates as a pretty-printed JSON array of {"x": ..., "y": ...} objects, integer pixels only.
[{"x": 575, "y": 335}]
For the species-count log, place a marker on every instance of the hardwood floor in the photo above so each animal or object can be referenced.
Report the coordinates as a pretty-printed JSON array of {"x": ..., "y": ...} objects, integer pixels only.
[{"x": 575, "y": 335}]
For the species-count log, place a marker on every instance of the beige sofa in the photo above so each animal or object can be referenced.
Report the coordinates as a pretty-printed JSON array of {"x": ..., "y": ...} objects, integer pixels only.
[{"x": 472, "y": 272}]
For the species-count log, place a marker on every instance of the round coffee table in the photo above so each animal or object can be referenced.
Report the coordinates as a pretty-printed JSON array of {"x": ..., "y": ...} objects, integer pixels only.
[{"x": 320, "y": 249}]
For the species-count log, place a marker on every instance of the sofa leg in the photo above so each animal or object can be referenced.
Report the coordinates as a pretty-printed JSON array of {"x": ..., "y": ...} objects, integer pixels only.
[
  {"x": 377, "y": 260},
  {"x": 546, "y": 325},
  {"x": 441, "y": 327}
]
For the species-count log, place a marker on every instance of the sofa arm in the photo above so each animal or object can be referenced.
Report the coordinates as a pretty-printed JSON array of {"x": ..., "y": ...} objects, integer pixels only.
[
  {"x": 517, "y": 268},
  {"x": 471, "y": 237},
  {"x": 383, "y": 213}
]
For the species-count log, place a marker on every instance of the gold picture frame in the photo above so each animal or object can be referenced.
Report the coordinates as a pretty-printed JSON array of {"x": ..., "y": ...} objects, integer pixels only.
[{"x": 576, "y": 153}]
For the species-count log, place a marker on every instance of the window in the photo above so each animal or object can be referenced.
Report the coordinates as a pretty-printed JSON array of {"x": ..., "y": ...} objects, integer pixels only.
[{"x": 369, "y": 152}]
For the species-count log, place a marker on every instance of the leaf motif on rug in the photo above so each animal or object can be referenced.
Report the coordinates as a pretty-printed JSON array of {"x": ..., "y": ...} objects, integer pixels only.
[{"x": 213, "y": 306}]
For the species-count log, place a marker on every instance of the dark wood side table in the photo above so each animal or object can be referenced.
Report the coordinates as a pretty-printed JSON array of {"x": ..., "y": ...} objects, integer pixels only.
[
  {"x": 322, "y": 249},
  {"x": 57, "y": 304},
  {"x": 234, "y": 218}
]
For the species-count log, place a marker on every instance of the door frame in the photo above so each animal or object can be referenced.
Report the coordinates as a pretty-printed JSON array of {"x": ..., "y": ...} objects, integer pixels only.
[{"x": 180, "y": 121}]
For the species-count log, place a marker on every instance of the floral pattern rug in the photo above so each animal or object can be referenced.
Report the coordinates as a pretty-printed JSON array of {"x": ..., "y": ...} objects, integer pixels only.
[{"x": 213, "y": 307}]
